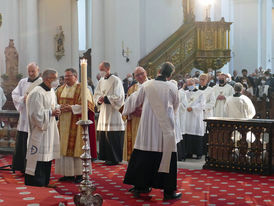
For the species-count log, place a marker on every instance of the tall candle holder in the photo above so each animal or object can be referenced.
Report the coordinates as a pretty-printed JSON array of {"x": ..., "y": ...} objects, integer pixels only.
[{"x": 86, "y": 196}]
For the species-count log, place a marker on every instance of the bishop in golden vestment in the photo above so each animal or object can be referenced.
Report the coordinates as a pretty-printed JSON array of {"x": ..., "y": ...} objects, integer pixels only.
[{"x": 133, "y": 119}]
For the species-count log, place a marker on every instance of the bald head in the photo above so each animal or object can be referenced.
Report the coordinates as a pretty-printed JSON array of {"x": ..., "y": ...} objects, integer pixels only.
[
  {"x": 33, "y": 70},
  {"x": 190, "y": 82},
  {"x": 140, "y": 74}
]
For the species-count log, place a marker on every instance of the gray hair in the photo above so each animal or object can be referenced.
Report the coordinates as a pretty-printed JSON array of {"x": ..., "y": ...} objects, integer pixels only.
[
  {"x": 167, "y": 69},
  {"x": 47, "y": 73},
  {"x": 106, "y": 65},
  {"x": 73, "y": 71},
  {"x": 238, "y": 87}
]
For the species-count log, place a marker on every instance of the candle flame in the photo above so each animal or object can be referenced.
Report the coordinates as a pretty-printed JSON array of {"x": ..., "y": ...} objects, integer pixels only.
[{"x": 83, "y": 61}]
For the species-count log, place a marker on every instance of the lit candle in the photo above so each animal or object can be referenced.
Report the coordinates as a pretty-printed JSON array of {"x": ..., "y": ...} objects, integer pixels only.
[{"x": 84, "y": 89}]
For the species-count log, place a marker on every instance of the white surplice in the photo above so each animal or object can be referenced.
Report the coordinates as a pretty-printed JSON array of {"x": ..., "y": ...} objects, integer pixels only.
[
  {"x": 193, "y": 121},
  {"x": 239, "y": 107},
  {"x": 226, "y": 91},
  {"x": 150, "y": 135},
  {"x": 110, "y": 119},
  {"x": 43, "y": 136},
  {"x": 210, "y": 102},
  {"x": 3, "y": 98},
  {"x": 18, "y": 94},
  {"x": 182, "y": 110}
]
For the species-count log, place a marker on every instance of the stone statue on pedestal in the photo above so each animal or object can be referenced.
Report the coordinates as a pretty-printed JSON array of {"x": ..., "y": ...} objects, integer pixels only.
[
  {"x": 11, "y": 77},
  {"x": 11, "y": 60}
]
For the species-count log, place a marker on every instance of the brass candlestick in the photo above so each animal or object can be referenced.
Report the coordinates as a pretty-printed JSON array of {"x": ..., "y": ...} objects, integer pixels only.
[{"x": 86, "y": 197}]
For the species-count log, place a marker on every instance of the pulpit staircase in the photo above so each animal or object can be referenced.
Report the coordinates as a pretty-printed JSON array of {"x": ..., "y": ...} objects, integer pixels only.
[{"x": 202, "y": 45}]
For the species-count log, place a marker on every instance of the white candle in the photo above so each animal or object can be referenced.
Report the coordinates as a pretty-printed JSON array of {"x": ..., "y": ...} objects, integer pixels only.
[{"x": 84, "y": 89}]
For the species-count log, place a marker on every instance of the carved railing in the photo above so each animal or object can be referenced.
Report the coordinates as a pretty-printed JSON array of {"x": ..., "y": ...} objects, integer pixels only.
[
  {"x": 179, "y": 49},
  {"x": 8, "y": 121},
  {"x": 240, "y": 145}
]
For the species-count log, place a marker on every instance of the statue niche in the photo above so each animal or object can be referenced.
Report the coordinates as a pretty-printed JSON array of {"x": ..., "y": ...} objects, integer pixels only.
[{"x": 59, "y": 44}]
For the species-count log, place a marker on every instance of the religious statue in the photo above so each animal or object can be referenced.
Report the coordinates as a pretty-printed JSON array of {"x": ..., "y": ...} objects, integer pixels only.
[
  {"x": 11, "y": 60},
  {"x": 59, "y": 44}
]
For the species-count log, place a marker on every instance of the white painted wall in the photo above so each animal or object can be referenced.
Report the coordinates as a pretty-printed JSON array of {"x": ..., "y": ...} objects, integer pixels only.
[
  {"x": 53, "y": 13},
  {"x": 245, "y": 39},
  {"x": 141, "y": 24},
  {"x": 9, "y": 29},
  {"x": 33, "y": 25}
]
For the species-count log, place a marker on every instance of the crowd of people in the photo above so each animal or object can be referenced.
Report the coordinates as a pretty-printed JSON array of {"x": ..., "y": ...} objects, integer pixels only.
[{"x": 152, "y": 123}]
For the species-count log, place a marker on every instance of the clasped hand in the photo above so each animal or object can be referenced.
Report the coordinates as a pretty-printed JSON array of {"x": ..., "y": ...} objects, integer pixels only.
[{"x": 65, "y": 108}]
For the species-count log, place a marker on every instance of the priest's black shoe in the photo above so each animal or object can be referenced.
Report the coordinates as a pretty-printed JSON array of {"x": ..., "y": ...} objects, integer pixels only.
[
  {"x": 66, "y": 178},
  {"x": 78, "y": 179},
  {"x": 109, "y": 163},
  {"x": 172, "y": 196},
  {"x": 140, "y": 190}
]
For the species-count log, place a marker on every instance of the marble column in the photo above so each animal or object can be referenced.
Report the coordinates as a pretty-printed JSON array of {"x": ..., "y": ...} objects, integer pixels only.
[
  {"x": 268, "y": 32},
  {"x": 74, "y": 35},
  {"x": 260, "y": 29},
  {"x": 88, "y": 24}
]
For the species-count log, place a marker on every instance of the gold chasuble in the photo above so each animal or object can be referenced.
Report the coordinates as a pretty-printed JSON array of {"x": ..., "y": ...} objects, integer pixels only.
[
  {"x": 70, "y": 133},
  {"x": 131, "y": 129}
]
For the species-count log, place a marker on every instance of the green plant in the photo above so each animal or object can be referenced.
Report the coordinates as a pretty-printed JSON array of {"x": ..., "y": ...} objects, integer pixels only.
[
  {"x": 19, "y": 76},
  {"x": 4, "y": 76}
]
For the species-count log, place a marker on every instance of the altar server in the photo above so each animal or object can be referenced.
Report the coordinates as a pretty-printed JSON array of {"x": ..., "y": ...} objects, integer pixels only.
[
  {"x": 209, "y": 104},
  {"x": 19, "y": 96},
  {"x": 194, "y": 128},
  {"x": 153, "y": 162},
  {"x": 239, "y": 105},
  {"x": 109, "y": 96},
  {"x": 43, "y": 144},
  {"x": 221, "y": 91}
]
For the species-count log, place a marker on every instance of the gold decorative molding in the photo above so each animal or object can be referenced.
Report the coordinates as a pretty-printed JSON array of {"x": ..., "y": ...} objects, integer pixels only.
[{"x": 178, "y": 48}]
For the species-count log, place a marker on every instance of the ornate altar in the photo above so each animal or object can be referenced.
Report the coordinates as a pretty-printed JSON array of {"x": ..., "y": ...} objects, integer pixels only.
[{"x": 240, "y": 145}]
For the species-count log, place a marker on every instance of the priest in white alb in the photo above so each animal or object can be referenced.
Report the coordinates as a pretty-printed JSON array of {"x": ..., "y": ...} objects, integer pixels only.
[
  {"x": 209, "y": 104},
  {"x": 194, "y": 127},
  {"x": 153, "y": 162},
  {"x": 239, "y": 105},
  {"x": 221, "y": 91},
  {"x": 109, "y": 96},
  {"x": 19, "y": 96},
  {"x": 43, "y": 137},
  {"x": 3, "y": 98}
]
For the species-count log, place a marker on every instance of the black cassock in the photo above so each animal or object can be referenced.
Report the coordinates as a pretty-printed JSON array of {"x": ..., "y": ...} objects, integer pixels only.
[
  {"x": 19, "y": 156},
  {"x": 142, "y": 171}
]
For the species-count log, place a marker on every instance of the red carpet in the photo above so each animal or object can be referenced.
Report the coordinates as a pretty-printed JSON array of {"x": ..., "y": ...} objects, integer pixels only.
[{"x": 199, "y": 187}]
